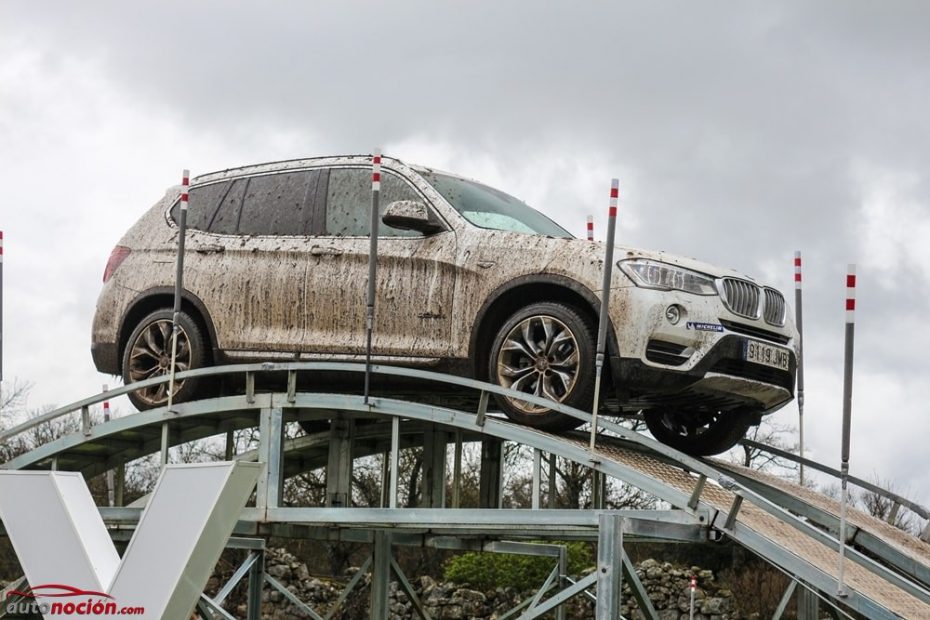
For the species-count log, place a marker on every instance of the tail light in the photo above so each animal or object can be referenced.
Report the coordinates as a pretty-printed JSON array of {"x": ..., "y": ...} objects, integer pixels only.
[{"x": 117, "y": 256}]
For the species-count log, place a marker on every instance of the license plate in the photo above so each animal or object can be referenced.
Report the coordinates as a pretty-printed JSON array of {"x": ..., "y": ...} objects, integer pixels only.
[{"x": 767, "y": 355}]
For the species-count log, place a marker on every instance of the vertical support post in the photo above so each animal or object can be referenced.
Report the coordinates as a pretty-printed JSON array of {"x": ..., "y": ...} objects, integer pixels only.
[
  {"x": 339, "y": 465},
  {"x": 256, "y": 582},
  {"x": 85, "y": 420},
  {"x": 434, "y": 467},
  {"x": 271, "y": 435},
  {"x": 395, "y": 460},
  {"x": 385, "y": 475},
  {"x": 799, "y": 323},
  {"x": 808, "y": 604},
  {"x": 120, "y": 484},
  {"x": 372, "y": 263},
  {"x": 489, "y": 488},
  {"x": 457, "y": 471},
  {"x": 178, "y": 284},
  {"x": 380, "y": 575},
  {"x": 609, "y": 566},
  {"x": 165, "y": 433},
  {"x": 552, "y": 480},
  {"x": 537, "y": 466},
  {"x": 847, "y": 417},
  {"x": 563, "y": 574},
  {"x": 604, "y": 316},
  {"x": 230, "y": 451},
  {"x": 598, "y": 489}
]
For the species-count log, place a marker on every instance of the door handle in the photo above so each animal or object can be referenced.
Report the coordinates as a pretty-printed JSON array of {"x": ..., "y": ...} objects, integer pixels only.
[
  {"x": 319, "y": 250},
  {"x": 210, "y": 249}
]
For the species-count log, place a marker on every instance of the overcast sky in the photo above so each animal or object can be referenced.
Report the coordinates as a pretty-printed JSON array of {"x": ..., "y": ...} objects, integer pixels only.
[{"x": 741, "y": 131}]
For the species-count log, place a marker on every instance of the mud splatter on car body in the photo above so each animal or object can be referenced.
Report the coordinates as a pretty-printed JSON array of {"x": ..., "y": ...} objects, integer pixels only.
[{"x": 276, "y": 267}]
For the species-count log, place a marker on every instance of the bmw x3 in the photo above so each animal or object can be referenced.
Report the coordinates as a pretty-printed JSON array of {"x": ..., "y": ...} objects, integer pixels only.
[{"x": 470, "y": 281}]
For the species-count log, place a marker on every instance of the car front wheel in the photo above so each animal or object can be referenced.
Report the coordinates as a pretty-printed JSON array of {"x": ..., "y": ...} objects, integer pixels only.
[
  {"x": 545, "y": 349},
  {"x": 699, "y": 433},
  {"x": 148, "y": 355}
]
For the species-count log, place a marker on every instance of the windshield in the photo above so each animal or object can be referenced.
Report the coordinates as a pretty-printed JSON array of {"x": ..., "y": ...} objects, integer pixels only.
[{"x": 487, "y": 207}]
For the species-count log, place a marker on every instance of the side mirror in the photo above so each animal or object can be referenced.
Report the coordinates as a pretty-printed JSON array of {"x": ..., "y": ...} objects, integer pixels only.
[{"x": 410, "y": 215}]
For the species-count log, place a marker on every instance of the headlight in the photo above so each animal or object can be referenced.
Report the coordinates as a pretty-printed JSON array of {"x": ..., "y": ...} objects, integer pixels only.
[{"x": 653, "y": 274}]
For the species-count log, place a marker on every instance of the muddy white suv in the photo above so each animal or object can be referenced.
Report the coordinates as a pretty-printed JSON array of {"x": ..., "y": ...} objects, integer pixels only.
[{"x": 470, "y": 280}]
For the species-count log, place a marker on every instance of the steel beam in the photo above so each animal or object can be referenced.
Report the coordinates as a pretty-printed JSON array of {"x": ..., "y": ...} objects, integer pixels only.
[
  {"x": 339, "y": 466},
  {"x": 638, "y": 590},
  {"x": 566, "y": 594},
  {"x": 434, "y": 467},
  {"x": 292, "y": 599},
  {"x": 380, "y": 576},
  {"x": 271, "y": 437},
  {"x": 808, "y": 604},
  {"x": 256, "y": 581},
  {"x": 411, "y": 594},
  {"x": 489, "y": 490},
  {"x": 457, "y": 471},
  {"x": 609, "y": 566}
]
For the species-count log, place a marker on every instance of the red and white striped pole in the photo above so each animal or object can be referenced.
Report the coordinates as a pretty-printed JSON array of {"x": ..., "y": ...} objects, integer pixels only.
[
  {"x": 590, "y": 228},
  {"x": 372, "y": 261},
  {"x": 111, "y": 491},
  {"x": 847, "y": 414},
  {"x": 692, "y": 585},
  {"x": 798, "y": 319},
  {"x": 178, "y": 282},
  {"x": 604, "y": 317}
]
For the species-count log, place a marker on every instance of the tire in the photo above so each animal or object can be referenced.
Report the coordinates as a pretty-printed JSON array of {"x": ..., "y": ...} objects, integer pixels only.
[
  {"x": 148, "y": 354},
  {"x": 545, "y": 349},
  {"x": 699, "y": 433}
]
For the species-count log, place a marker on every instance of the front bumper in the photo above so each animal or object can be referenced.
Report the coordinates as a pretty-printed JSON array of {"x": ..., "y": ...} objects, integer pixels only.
[
  {"x": 721, "y": 380},
  {"x": 695, "y": 361}
]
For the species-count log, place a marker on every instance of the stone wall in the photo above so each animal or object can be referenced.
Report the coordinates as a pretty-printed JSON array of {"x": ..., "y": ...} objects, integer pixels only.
[{"x": 666, "y": 585}]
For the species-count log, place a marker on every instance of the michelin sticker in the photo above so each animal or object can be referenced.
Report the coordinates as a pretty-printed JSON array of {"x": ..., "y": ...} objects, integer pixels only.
[{"x": 705, "y": 327}]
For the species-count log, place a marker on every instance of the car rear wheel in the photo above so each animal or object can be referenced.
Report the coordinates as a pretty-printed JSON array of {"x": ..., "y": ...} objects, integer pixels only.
[
  {"x": 545, "y": 349},
  {"x": 699, "y": 433},
  {"x": 148, "y": 355}
]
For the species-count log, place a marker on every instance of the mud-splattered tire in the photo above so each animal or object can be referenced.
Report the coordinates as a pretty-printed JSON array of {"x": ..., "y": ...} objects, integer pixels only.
[
  {"x": 148, "y": 355},
  {"x": 699, "y": 433},
  {"x": 546, "y": 349}
]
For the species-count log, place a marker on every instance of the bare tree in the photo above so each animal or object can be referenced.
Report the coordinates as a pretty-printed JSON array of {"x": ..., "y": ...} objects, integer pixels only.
[
  {"x": 773, "y": 434},
  {"x": 883, "y": 508}
]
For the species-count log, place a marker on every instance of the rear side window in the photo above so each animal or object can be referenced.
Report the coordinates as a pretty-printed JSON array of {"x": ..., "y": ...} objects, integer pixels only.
[
  {"x": 348, "y": 202},
  {"x": 279, "y": 204},
  {"x": 202, "y": 201},
  {"x": 225, "y": 218}
]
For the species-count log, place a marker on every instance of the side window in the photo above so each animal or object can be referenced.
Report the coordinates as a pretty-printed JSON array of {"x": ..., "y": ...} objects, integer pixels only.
[
  {"x": 225, "y": 219},
  {"x": 279, "y": 204},
  {"x": 202, "y": 201},
  {"x": 348, "y": 202}
]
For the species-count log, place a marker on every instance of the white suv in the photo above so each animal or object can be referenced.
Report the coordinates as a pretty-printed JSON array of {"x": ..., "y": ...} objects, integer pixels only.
[{"x": 470, "y": 281}]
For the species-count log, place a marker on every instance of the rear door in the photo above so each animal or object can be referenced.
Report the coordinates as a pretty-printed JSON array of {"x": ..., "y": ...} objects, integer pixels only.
[
  {"x": 249, "y": 262},
  {"x": 416, "y": 274}
]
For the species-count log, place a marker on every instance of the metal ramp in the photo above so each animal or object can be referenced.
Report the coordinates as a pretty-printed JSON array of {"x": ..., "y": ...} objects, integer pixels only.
[{"x": 793, "y": 528}]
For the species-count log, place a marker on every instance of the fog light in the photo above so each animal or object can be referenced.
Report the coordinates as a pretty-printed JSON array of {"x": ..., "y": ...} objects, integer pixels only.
[{"x": 673, "y": 314}]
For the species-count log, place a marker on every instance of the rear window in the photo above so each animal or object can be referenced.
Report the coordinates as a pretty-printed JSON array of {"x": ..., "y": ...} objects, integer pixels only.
[
  {"x": 278, "y": 204},
  {"x": 202, "y": 201},
  {"x": 273, "y": 204}
]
